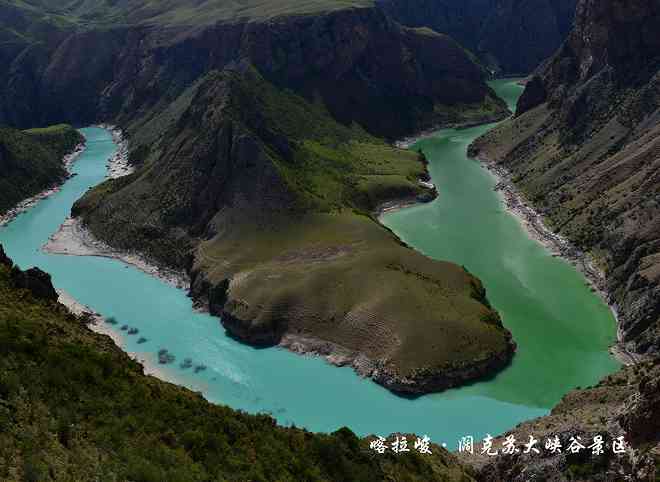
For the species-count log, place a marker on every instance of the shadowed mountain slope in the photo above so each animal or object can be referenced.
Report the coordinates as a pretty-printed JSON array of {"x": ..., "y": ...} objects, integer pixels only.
[
  {"x": 31, "y": 161},
  {"x": 363, "y": 66},
  {"x": 511, "y": 37}
]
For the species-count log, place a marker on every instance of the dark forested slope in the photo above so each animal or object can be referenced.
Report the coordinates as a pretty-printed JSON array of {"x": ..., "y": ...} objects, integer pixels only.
[{"x": 31, "y": 161}]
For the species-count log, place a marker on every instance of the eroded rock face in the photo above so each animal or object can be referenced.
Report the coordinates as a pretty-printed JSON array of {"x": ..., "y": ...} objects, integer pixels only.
[
  {"x": 640, "y": 416},
  {"x": 36, "y": 281},
  {"x": 366, "y": 67},
  {"x": 625, "y": 404}
]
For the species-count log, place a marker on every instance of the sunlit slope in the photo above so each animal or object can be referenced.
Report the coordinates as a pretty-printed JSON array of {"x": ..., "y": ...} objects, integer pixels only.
[{"x": 268, "y": 204}]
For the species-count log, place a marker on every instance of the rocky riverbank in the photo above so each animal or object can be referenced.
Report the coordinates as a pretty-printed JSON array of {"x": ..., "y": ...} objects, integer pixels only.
[
  {"x": 407, "y": 142},
  {"x": 423, "y": 382},
  {"x": 534, "y": 224},
  {"x": 118, "y": 165}
]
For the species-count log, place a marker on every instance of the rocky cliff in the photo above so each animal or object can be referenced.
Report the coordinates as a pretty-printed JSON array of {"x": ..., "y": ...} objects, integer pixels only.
[
  {"x": 626, "y": 404},
  {"x": 510, "y": 37},
  {"x": 362, "y": 65}
]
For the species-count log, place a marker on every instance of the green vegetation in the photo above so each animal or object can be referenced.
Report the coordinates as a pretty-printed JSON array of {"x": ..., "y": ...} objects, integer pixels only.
[
  {"x": 31, "y": 161},
  {"x": 176, "y": 12},
  {"x": 61, "y": 139},
  {"x": 73, "y": 407},
  {"x": 332, "y": 166},
  {"x": 288, "y": 195}
]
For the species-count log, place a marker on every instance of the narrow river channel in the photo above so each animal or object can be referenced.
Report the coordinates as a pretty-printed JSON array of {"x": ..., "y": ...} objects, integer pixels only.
[{"x": 563, "y": 330}]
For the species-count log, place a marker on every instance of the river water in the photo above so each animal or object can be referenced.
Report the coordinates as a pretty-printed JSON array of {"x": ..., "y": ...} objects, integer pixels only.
[{"x": 563, "y": 329}]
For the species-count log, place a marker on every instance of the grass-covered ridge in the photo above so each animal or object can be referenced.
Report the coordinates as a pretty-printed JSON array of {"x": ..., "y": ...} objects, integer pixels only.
[
  {"x": 74, "y": 407},
  {"x": 268, "y": 201},
  {"x": 178, "y": 12},
  {"x": 31, "y": 161}
]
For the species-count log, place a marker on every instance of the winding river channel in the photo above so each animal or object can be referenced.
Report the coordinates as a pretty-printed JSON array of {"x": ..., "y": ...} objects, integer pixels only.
[{"x": 563, "y": 329}]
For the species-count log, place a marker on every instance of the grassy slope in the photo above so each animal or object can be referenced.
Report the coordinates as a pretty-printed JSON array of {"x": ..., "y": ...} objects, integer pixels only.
[
  {"x": 304, "y": 262},
  {"x": 180, "y": 12},
  {"x": 75, "y": 407},
  {"x": 31, "y": 161}
]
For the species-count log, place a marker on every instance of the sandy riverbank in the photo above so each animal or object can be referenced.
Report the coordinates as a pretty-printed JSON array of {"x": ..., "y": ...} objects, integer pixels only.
[
  {"x": 397, "y": 205},
  {"x": 30, "y": 202},
  {"x": 73, "y": 239},
  {"x": 97, "y": 323}
]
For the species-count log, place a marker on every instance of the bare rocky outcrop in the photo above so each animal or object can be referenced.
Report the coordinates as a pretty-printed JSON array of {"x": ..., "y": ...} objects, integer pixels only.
[{"x": 35, "y": 281}]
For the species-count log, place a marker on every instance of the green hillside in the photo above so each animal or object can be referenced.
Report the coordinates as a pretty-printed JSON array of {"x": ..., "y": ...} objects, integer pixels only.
[
  {"x": 74, "y": 407},
  {"x": 31, "y": 161},
  {"x": 178, "y": 12},
  {"x": 272, "y": 199}
]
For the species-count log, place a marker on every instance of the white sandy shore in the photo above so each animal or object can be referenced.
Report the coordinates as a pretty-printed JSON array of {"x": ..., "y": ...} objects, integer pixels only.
[
  {"x": 73, "y": 239},
  {"x": 30, "y": 202},
  {"x": 98, "y": 325}
]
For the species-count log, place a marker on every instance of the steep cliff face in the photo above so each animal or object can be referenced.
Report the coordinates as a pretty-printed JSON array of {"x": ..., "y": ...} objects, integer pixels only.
[
  {"x": 265, "y": 199},
  {"x": 511, "y": 36},
  {"x": 365, "y": 67},
  {"x": 584, "y": 148}
]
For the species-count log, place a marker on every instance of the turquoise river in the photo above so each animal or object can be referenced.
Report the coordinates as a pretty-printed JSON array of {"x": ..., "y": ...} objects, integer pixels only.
[{"x": 563, "y": 330}]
